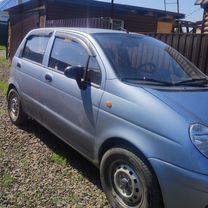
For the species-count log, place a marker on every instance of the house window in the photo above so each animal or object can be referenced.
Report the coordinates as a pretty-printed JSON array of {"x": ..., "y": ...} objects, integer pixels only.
[{"x": 35, "y": 48}]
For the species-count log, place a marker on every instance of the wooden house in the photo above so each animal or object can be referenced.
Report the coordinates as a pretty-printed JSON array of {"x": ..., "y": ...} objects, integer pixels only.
[
  {"x": 204, "y": 5},
  {"x": 79, "y": 13}
]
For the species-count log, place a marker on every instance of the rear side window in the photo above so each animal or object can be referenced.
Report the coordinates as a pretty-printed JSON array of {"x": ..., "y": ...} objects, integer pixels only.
[
  {"x": 35, "y": 48},
  {"x": 67, "y": 52}
]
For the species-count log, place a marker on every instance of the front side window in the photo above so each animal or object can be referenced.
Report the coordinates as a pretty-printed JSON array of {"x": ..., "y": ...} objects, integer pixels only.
[
  {"x": 35, "y": 48},
  {"x": 93, "y": 71},
  {"x": 67, "y": 52}
]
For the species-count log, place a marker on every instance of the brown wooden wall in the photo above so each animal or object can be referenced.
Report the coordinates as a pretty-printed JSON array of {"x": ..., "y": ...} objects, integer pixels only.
[
  {"x": 133, "y": 22},
  {"x": 19, "y": 28},
  {"x": 192, "y": 46}
]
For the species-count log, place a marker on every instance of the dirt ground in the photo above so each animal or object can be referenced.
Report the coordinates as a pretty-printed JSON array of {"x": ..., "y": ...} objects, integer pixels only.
[{"x": 38, "y": 170}]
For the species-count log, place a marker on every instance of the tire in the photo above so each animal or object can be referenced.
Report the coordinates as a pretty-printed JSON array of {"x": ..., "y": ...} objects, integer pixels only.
[
  {"x": 128, "y": 182},
  {"x": 15, "y": 111}
]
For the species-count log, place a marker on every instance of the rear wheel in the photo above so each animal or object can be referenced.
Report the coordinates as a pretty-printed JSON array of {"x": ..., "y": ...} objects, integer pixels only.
[
  {"x": 16, "y": 113},
  {"x": 128, "y": 182}
]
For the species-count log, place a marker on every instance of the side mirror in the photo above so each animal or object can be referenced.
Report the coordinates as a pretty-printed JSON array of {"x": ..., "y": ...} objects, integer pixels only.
[{"x": 75, "y": 72}]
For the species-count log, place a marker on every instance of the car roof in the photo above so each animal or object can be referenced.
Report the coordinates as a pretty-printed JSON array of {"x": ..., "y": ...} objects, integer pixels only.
[
  {"x": 89, "y": 32},
  {"x": 84, "y": 31}
]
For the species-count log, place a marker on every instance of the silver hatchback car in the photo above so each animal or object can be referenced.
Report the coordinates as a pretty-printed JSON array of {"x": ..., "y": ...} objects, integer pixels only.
[{"x": 130, "y": 104}]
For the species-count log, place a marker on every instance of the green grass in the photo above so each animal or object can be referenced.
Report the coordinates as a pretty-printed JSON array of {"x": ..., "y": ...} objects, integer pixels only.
[
  {"x": 5, "y": 62},
  {"x": 2, "y": 48},
  {"x": 6, "y": 180},
  {"x": 38, "y": 195},
  {"x": 2, "y": 154},
  {"x": 4, "y": 87},
  {"x": 72, "y": 198},
  {"x": 59, "y": 160}
]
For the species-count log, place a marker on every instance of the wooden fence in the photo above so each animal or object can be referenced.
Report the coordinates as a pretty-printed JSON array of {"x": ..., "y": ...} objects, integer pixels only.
[{"x": 192, "y": 46}]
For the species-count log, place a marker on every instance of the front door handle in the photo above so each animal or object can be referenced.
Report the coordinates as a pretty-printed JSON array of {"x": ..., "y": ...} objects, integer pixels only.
[
  {"x": 48, "y": 78},
  {"x": 19, "y": 65}
]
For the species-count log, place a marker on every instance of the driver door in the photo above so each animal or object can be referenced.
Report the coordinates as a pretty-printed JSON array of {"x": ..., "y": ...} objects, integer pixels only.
[{"x": 67, "y": 110}]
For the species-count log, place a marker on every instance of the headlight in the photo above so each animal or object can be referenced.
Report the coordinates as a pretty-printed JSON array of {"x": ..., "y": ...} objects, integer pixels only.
[{"x": 199, "y": 137}]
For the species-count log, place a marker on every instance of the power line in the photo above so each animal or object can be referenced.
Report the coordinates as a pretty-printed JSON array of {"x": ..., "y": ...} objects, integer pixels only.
[
  {"x": 176, "y": 2},
  {"x": 193, "y": 12}
]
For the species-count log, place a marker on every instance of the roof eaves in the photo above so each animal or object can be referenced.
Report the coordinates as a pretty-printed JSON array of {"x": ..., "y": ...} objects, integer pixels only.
[
  {"x": 118, "y": 6},
  {"x": 34, "y": 3},
  {"x": 28, "y": 5}
]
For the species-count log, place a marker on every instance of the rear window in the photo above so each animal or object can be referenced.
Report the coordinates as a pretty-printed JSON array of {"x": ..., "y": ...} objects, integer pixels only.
[{"x": 35, "y": 48}]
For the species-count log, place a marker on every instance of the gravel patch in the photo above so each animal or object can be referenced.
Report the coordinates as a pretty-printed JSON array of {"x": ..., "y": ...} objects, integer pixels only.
[{"x": 38, "y": 170}]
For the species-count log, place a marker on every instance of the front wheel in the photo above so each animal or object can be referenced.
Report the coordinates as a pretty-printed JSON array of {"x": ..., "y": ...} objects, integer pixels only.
[
  {"x": 128, "y": 181},
  {"x": 16, "y": 113}
]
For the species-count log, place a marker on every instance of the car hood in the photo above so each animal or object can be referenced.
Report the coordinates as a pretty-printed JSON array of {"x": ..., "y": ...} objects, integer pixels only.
[{"x": 192, "y": 105}]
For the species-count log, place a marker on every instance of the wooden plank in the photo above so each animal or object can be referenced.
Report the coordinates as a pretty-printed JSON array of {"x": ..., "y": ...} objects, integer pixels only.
[
  {"x": 196, "y": 49},
  {"x": 189, "y": 46},
  {"x": 182, "y": 44},
  {"x": 203, "y": 53},
  {"x": 169, "y": 39},
  {"x": 192, "y": 46}
]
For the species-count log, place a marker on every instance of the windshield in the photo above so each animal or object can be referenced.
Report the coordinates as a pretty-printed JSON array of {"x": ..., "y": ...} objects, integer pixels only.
[{"x": 137, "y": 58}]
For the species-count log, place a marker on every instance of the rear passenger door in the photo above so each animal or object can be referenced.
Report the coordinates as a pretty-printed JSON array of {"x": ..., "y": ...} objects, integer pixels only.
[
  {"x": 29, "y": 70},
  {"x": 67, "y": 110}
]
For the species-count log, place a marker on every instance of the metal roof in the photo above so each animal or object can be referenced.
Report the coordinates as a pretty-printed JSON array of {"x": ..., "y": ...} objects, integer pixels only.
[
  {"x": 92, "y": 3},
  {"x": 6, "y": 4}
]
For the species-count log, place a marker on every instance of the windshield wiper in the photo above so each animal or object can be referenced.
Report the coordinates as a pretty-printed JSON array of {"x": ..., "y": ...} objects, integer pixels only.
[
  {"x": 193, "y": 82},
  {"x": 147, "y": 81}
]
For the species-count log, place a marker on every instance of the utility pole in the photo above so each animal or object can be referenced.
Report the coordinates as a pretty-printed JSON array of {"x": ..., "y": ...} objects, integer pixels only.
[
  {"x": 112, "y": 9},
  {"x": 178, "y": 6},
  {"x": 165, "y": 6}
]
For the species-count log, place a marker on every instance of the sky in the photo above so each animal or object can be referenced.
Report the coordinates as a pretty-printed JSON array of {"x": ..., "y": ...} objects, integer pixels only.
[{"x": 193, "y": 12}]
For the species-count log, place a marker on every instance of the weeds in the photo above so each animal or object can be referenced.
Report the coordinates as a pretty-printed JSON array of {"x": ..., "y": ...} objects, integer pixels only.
[
  {"x": 2, "y": 48},
  {"x": 59, "y": 159},
  {"x": 5, "y": 62},
  {"x": 2, "y": 154},
  {"x": 6, "y": 180},
  {"x": 4, "y": 87}
]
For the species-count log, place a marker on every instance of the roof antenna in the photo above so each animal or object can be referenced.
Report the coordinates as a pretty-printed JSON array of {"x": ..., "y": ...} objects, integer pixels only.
[{"x": 123, "y": 29}]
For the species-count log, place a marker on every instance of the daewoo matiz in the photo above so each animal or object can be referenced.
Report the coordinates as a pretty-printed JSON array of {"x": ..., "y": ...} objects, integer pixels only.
[{"x": 132, "y": 105}]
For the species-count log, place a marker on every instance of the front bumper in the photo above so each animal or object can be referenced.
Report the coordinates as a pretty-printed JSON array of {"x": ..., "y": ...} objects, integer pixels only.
[{"x": 181, "y": 188}]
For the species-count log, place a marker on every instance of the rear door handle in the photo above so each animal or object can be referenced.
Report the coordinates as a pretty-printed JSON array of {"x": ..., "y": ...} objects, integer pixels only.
[
  {"x": 48, "y": 78},
  {"x": 19, "y": 65}
]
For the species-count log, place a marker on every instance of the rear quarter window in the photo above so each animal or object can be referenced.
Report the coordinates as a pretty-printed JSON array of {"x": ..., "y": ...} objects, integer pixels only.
[{"x": 35, "y": 48}]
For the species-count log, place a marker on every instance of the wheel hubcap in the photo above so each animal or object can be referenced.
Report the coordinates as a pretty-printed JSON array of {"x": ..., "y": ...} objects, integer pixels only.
[
  {"x": 127, "y": 185},
  {"x": 14, "y": 107}
]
